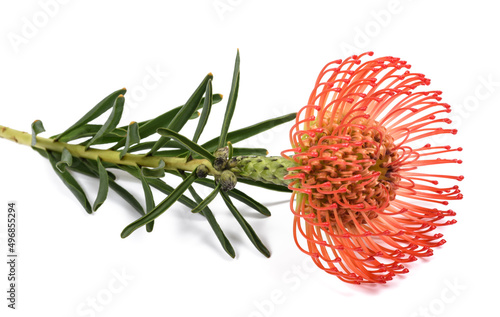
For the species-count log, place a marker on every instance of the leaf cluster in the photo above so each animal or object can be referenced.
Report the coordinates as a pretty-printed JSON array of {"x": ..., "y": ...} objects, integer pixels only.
[{"x": 171, "y": 143}]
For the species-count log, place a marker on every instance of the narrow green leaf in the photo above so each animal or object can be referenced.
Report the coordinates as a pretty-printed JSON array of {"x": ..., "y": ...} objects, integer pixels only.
[
  {"x": 231, "y": 103},
  {"x": 226, "y": 245},
  {"x": 103, "y": 185},
  {"x": 66, "y": 160},
  {"x": 239, "y": 195},
  {"x": 147, "y": 128},
  {"x": 245, "y": 133},
  {"x": 36, "y": 127},
  {"x": 205, "y": 113},
  {"x": 161, "y": 207},
  {"x": 95, "y": 112},
  {"x": 157, "y": 172},
  {"x": 85, "y": 167},
  {"x": 238, "y": 151},
  {"x": 230, "y": 149},
  {"x": 111, "y": 123},
  {"x": 127, "y": 196},
  {"x": 207, "y": 200},
  {"x": 148, "y": 195},
  {"x": 71, "y": 183},
  {"x": 89, "y": 130},
  {"x": 274, "y": 187},
  {"x": 245, "y": 226},
  {"x": 158, "y": 184},
  {"x": 190, "y": 145},
  {"x": 149, "y": 144},
  {"x": 133, "y": 137},
  {"x": 184, "y": 113}
]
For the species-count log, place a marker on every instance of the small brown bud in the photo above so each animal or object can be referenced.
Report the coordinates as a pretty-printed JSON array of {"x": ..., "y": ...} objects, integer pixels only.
[
  {"x": 220, "y": 164},
  {"x": 227, "y": 180},
  {"x": 202, "y": 171},
  {"x": 222, "y": 152}
]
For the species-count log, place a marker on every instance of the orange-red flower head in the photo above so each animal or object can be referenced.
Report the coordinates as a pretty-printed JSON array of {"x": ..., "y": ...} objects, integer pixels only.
[{"x": 360, "y": 198}]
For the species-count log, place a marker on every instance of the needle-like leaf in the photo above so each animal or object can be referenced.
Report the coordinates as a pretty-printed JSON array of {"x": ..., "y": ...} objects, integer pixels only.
[
  {"x": 238, "y": 151},
  {"x": 207, "y": 200},
  {"x": 161, "y": 207},
  {"x": 111, "y": 123},
  {"x": 103, "y": 185},
  {"x": 95, "y": 112},
  {"x": 193, "y": 147},
  {"x": 226, "y": 245},
  {"x": 207, "y": 106},
  {"x": 148, "y": 195},
  {"x": 71, "y": 183},
  {"x": 274, "y": 187},
  {"x": 133, "y": 137},
  {"x": 184, "y": 113},
  {"x": 231, "y": 103},
  {"x": 245, "y": 133},
  {"x": 90, "y": 168},
  {"x": 239, "y": 195},
  {"x": 149, "y": 127},
  {"x": 245, "y": 226}
]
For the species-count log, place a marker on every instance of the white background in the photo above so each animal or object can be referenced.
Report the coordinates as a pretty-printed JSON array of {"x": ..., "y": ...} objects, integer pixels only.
[{"x": 59, "y": 59}]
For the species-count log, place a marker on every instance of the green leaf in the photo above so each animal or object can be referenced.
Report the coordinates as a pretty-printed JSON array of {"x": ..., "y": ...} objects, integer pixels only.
[
  {"x": 167, "y": 189},
  {"x": 238, "y": 151},
  {"x": 231, "y": 103},
  {"x": 230, "y": 149},
  {"x": 226, "y": 245},
  {"x": 147, "y": 128},
  {"x": 133, "y": 137},
  {"x": 239, "y": 195},
  {"x": 158, "y": 184},
  {"x": 66, "y": 160},
  {"x": 184, "y": 113},
  {"x": 85, "y": 167},
  {"x": 161, "y": 207},
  {"x": 71, "y": 183},
  {"x": 157, "y": 172},
  {"x": 127, "y": 196},
  {"x": 90, "y": 130},
  {"x": 245, "y": 133},
  {"x": 103, "y": 185},
  {"x": 245, "y": 226},
  {"x": 207, "y": 106},
  {"x": 36, "y": 127},
  {"x": 111, "y": 123},
  {"x": 95, "y": 112},
  {"x": 207, "y": 200},
  {"x": 148, "y": 195},
  {"x": 149, "y": 144},
  {"x": 190, "y": 145},
  {"x": 274, "y": 187}
]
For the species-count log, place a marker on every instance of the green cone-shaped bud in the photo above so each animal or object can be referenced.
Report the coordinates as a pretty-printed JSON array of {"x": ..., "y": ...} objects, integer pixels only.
[{"x": 267, "y": 169}]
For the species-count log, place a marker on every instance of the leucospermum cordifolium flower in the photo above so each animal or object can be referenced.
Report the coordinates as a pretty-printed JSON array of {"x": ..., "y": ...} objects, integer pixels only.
[
  {"x": 362, "y": 206},
  {"x": 364, "y": 197}
]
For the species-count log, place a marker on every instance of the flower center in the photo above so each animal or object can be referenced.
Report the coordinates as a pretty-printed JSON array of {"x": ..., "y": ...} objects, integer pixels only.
[{"x": 350, "y": 173}]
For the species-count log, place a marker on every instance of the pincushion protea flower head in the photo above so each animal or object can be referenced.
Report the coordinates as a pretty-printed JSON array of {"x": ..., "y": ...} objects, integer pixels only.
[{"x": 360, "y": 197}]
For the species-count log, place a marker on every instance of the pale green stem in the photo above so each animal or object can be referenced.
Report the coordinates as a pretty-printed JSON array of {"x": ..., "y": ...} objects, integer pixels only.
[{"x": 110, "y": 156}]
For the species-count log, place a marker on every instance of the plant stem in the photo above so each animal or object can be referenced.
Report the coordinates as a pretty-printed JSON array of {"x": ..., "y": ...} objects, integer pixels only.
[{"x": 110, "y": 156}]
